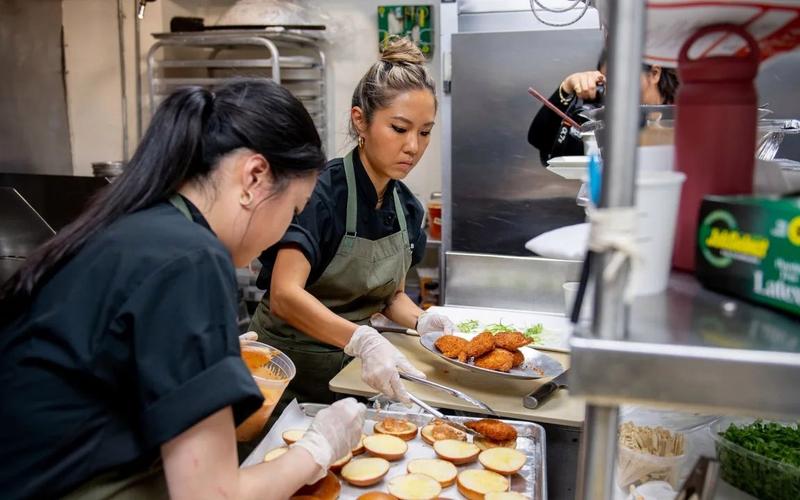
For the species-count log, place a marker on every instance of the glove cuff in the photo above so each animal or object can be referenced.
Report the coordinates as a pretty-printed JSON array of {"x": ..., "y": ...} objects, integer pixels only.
[
  {"x": 319, "y": 449},
  {"x": 353, "y": 347}
]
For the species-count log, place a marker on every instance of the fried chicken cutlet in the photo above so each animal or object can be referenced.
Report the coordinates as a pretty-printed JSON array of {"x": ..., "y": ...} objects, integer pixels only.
[
  {"x": 498, "y": 359},
  {"x": 519, "y": 358},
  {"x": 480, "y": 345},
  {"x": 450, "y": 345},
  {"x": 510, "y": 341},
  {"x": 493, "y": 429}
]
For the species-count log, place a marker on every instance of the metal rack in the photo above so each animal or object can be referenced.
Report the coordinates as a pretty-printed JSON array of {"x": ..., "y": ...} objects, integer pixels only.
[
  {"x": 292, "y": 58},
  {"x": 687, "y": 347}
]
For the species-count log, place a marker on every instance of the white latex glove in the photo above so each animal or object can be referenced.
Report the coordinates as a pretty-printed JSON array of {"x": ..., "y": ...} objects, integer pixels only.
[
  {"x": 380, "y": 362},
  {"x": 432, "y": 322},
  {"x": 333, "y": 433}
]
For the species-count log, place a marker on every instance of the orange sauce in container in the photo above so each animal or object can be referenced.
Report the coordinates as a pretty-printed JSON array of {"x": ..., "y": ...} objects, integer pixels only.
[
  {"x": 272, "y": 371},
  {"x": 435, "y": 216}
]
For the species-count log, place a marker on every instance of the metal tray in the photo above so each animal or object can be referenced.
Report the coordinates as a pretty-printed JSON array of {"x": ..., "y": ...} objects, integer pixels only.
[
  {"x": 530, "y": 481},
  {"x": 536, "y": 364}
]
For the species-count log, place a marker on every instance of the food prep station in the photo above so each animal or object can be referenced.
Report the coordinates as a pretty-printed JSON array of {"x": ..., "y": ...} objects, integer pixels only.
[{"x": 689, "y": 359}]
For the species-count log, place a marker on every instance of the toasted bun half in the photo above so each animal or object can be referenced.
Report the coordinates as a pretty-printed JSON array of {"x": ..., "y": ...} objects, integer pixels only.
[
  {"x": 455, "y": 451},
  {"x": 359, "y": 448},
  {"x": 327, "y": 488},
  {"x": 505, "y": 495},
  {"x": 376, "y": 495},
  {"x": 414, "y": 487},
  {"x": 403, "y": 429},
  {"x": 437, "y": 432},
  {"x": 386, "y": 446},
  {"x": 365, "y": 471},
  {"x": 440, "y": 470},
  {"x": 273, "y": 454},
  {"x": 487, "y": 444},
  {"x": 504, "y": 461},
  {"x": 474, "y": 484},
  {"x": 292, "y": 435},
  {"x": 337, "y": 465}
]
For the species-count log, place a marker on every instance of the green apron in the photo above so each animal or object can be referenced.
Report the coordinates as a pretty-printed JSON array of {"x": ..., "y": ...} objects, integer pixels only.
[
  {"x": 358, "y": 283},
  {"x": 121, "y": 485}
]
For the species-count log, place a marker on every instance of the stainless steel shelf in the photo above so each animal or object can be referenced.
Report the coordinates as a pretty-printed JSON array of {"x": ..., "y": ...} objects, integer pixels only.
[
  {"x": 698, "y": 349},
  {"x": 286, "y": 62}
]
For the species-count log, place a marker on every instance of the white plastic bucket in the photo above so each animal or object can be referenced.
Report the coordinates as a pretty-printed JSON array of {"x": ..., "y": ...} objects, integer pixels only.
[{"x": 658, "y": 194}]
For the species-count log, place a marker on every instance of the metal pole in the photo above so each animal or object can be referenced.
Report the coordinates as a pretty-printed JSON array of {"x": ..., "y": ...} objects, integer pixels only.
[
  {"x": 137, "y": 51},
  {"x": 625, "y": 40},
  {"x": 596, "y": 459},
  {"x": 123, "y": 78},
  {"x": 626, "y": 27}
]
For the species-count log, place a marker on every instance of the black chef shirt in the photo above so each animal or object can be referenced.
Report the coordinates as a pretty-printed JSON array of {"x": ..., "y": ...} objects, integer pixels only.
[
  {"x": 319, "y": 229},
  {"x": 127, "y": 345}
]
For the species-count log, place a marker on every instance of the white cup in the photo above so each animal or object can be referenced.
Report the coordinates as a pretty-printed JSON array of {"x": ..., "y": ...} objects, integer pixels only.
[
  {"x": 658, "y": 194},
  {"x": 570, "y": 292}
]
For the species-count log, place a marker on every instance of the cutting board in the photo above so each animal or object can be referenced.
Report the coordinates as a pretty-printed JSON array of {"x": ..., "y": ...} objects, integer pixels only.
[{"x": 557, "y": 328}]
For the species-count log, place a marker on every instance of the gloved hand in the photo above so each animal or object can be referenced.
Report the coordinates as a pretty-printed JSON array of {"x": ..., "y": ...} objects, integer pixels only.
[
  {"x": 333, "y": 433},
  {"x": 248, "y": 336},
  {"x": 432, "y": 322},
  {"x": 380, "y": 362}
]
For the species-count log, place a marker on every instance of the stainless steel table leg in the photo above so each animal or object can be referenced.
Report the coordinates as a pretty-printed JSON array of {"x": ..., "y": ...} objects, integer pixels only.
[{"x": 597, "y": 454}]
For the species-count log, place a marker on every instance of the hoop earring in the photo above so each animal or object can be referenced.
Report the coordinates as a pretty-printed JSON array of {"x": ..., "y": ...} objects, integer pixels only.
[
  {"x": 361, "y": 142},
  {"x": 246, "y": 198}
]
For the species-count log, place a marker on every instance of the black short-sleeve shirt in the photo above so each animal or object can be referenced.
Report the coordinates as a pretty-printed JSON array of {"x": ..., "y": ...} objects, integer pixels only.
[
  {"x": 131, "y": 342},
  {"x": 319, "y": 229}
]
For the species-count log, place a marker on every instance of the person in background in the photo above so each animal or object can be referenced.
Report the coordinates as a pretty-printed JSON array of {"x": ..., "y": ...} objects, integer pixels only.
[
  {"x": 552, "y": 137},
  {"x": 120, "y": 368},
  {"x": 346, "y": 256}
]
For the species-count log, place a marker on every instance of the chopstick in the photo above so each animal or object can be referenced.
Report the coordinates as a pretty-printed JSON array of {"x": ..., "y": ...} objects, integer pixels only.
[{"x": 572, "y": 123}]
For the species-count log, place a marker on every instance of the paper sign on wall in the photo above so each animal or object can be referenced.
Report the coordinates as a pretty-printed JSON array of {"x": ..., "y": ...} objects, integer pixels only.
[{"x": 411, "y": 21}]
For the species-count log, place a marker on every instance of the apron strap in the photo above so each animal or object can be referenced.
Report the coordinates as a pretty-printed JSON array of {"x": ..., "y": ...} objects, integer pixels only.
[
  {"x": 401, "y": 219},
  {"x": 178, "y": 202},
  {"x": 352, "y": 205}
]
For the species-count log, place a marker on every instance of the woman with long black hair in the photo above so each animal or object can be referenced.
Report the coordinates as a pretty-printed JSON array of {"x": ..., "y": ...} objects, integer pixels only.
[{"x": 120, "y": 368}]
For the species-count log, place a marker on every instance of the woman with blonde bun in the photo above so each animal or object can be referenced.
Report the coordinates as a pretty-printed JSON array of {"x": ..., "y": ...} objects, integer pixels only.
[{"x": 346, "y": 255}]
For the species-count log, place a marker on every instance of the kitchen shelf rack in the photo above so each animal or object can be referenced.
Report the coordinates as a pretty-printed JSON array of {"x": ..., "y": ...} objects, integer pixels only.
[
  {"x": 688, "y": 347},
  {"x": 292, "y": 58}
]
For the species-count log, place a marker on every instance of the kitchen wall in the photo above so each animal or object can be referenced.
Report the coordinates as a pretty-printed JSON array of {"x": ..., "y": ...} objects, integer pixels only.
[
  {"x": 33, "y": 116},
  {"x": 93, "y": 84}
]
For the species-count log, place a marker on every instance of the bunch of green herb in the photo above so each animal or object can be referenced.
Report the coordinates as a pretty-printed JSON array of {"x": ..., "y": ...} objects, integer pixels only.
[
  {"x": 500, "y": 328},
  {"x": 467, "y": 326},
  {"x": 535, "y": 332},
  {"x": 765, "y": 480}
]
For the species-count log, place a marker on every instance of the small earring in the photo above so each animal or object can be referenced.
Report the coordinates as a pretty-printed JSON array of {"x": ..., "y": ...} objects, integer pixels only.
[
  {"x": 361, "y": 142},
  {"x": 246, "y": 198}
]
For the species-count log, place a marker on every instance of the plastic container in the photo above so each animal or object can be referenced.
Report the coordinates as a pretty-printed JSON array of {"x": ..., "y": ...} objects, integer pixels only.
[
  {"x": 740, "y": 467},
  {"x": 635, "y": 468},
  {"x": 657, "y": 199},
  {"x": 587, "y": 306},
  {"x": 435, "y": 216},
  {"x": 714, "y": 129},
  {"x": 272, "y": 371}
]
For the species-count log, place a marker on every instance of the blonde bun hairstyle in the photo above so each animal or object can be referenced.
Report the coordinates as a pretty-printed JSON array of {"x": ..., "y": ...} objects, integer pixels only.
[
  {"x": 398, "y": 50},
  {"x": 401, "y": 68}
]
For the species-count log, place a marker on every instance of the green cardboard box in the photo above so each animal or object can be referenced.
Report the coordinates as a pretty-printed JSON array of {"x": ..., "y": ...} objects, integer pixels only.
[{"x": 750, "y": 247}]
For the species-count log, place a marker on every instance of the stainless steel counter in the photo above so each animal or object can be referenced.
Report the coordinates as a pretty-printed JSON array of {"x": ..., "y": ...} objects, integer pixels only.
[{"x": 694, "y": 348}]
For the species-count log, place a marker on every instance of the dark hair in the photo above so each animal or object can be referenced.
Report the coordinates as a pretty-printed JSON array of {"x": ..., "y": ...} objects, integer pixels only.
[
  {"x": 191, "y": 130},
  {"x": 668, "y": 83},
  {"x": 401, "y": 68}
]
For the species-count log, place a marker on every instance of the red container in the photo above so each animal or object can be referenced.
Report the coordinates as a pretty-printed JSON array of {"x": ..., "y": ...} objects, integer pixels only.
[{"x": 715, "y": 130}]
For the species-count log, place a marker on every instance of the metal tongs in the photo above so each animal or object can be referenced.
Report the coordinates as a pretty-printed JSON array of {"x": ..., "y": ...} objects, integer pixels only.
[
  {"x": 441, "y": 416},
  {"x": 449, "y": 390}
]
